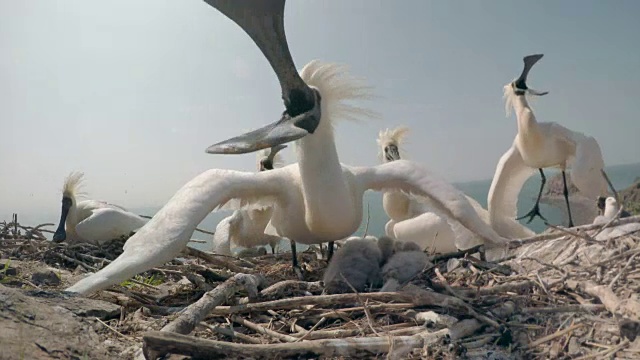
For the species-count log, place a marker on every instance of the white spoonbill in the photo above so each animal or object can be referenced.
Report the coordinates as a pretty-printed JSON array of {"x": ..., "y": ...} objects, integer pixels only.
[
  {"x": 91, "y": 221},
  {"x": 248, "y": 228},
  {"x": 315, "y": 200},
  {"x": 538, "y": 146},
  {"x": 611, "y": 208},
  {"x": 416, "y": 221}
]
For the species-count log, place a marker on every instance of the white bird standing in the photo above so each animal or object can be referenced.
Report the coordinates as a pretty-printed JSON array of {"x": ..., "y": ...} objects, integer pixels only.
[
  {"x": 416, "y": 221},
  {"x": 538, "y": 146},
  {"x": 314, "y": 201},
  {"x": 91, "y": 221},
  {"x": 248, "y": 228}
]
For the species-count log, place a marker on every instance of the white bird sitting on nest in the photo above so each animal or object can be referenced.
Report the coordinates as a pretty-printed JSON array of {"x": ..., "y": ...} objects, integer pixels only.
[
  {"x": 249, "y": 228},
  {"x": 356, "y": 264},
  {"x": 315, "y": 200},
  {"x": 538, "y": 146},
  {"x": 408, "y": 261},
  {"x": 416, "y": 221},
  {"x": 610, "y": 211},
  {"x": 91, "y": 221}
]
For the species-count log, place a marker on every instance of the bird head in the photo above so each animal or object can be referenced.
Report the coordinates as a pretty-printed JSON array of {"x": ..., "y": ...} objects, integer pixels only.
[
  {"x": 390, "y": 141},
  {"x": 519, "y": 85},
  {"x": 263, "y": 21},
  {"x": 69, "y": 192},
  {"x": 268, "y": 158}
]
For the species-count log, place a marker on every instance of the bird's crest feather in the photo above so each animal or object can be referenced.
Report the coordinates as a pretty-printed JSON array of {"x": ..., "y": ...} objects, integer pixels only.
[
  {"x": 337, "y": 86},
  {"x": 73, "y": 184},
  {"x": 392, "y": 136}
]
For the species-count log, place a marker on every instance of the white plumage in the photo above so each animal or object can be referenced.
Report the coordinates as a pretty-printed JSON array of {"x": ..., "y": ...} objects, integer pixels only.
[
  {"x": 538, "y": 146},
  {"x": 610, "y": 210},
  {"x": 249, "y": 227},
  {"x": 314, "y": 201},
  {"x": 412, "y": 220},
  {"x": 91, "y": 221}
]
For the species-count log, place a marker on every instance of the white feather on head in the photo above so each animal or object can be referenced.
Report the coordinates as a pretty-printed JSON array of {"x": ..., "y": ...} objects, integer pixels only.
[
  {"x": 336, "y": 86},
  {"x": 72, "y": 185},
  {"x": 395, "y": 137}
]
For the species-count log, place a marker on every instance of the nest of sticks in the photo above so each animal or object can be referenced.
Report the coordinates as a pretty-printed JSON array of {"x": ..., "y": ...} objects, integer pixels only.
[{"x": 560, "y": 294}]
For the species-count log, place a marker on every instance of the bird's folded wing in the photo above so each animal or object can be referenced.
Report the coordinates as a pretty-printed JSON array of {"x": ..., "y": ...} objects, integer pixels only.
[
  {"x": 168, "y": 233},
  {"x": 108, "y": 223}
]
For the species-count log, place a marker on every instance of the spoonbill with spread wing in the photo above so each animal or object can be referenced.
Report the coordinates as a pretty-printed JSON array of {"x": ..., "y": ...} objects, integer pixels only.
[
  {"x": 539, "y": 146},
  {"x": 315, "y": 200}
]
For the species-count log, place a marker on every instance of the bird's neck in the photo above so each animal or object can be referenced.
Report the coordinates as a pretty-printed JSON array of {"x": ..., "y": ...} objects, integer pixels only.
[
  {"x": 324, "y": 187},
  {"x": 527, "y": 124},
  {"x": 610, "y": 211},
  {"x": 71, "y": 221}
]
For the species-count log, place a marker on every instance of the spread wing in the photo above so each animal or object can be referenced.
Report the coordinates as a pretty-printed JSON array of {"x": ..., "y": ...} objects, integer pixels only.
[
  {"x": 586, "y": 164},
  {"x": 416, "y": 179},
  {"x": 168, "y": 233},
  {"x": 502, "y": 202}
]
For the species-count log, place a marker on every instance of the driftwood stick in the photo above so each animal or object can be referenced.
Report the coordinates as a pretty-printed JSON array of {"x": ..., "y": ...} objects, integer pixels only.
[
  {"x": 216, "y": 260},
  {"x": 278, "y": 289},
  {"x": 555, "y": 335},
  {"x": 561, "y": 309},
  {"x": 262, "y": 330},
  {"x": 164, "y": 342},
  {"x": 197, "y": 311},
  {"x": 554, "y": 235},
  {"x": 629, "y": 307},
  {"x": 230, "y": 333},
  {"x": 621, "y": 272}
]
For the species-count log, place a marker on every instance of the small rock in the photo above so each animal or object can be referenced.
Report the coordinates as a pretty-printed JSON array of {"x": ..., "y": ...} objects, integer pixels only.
[
  {"x": 7, "y": 271},
  {"x": 629, "y": 329},
  {"x": 49, "y": 278},
  {"x": 574, "y": 347},
  {"x": 453, "y": 264}
]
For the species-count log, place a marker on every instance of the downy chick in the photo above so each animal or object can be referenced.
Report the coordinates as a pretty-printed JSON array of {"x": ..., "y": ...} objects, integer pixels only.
[
  {"x": 358, "y": 262},
  {"x": 406, "y": 263}
]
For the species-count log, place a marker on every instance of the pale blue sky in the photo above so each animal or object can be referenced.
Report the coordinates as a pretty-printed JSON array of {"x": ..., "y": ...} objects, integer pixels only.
[{"x": 132, "y": 92}]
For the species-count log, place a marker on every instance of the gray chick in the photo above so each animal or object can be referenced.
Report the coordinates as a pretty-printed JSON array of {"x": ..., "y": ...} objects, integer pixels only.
[
  {"x": 252, "y": 252},
  {"x": 357, "y": 261},
  {"x": 406, "y": 263},
  {"x": 387, "y": 248}
]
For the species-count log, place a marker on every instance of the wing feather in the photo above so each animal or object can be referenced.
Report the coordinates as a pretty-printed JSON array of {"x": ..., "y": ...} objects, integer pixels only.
[
  {"x": 168, "y": 233},
  {"x": 587, "y": 162},
  {"x": 417, "y": 180}
]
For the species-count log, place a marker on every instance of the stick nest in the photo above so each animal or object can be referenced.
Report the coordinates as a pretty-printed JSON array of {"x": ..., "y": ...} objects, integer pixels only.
[{"x": 560, "y": 294}]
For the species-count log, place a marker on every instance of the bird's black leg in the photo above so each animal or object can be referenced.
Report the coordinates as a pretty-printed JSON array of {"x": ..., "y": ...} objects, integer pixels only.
[
  {"x": 294, "y": 255},
  {"x": 536, "y": 208},
  {"x": 566, "y": 198},
  {"x": 330, "y": 251}
]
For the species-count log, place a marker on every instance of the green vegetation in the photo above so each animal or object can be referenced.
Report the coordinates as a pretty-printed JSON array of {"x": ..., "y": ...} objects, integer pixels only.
[{"x": 152, "y": 280}]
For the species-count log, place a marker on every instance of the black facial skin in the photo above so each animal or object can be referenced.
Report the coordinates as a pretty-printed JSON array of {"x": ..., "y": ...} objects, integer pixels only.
[
  {"x": 519, "y": 87},
  {"x": 391, "y": 153},
  {"x": 266, "y": 164},
  {"x": 60, "y": 235},
  {"x": 601, "y": 202}
]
